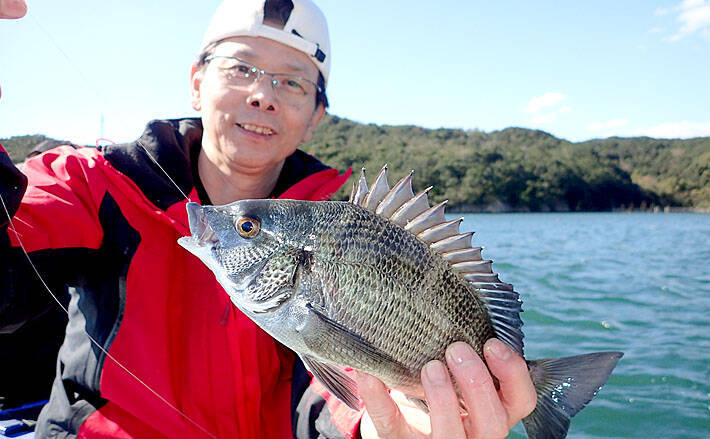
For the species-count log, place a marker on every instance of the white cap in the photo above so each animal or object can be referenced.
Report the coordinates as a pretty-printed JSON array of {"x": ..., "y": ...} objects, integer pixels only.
[{"x": 304, "y": 26}]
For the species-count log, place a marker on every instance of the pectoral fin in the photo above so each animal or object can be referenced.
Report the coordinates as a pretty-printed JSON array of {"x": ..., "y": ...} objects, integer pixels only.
[
  {"x": 339, "y": 337},
  {"x": 334, "y": 379}
]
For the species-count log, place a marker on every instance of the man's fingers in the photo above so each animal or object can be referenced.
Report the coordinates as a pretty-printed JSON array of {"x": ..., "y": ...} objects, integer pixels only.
[
  {"x": 517, "y": 392},
  {"x": 383, "y": 412},
  {"x": 486, "y": 415},
  {"x": 12, "y": 8},
  {"x": 443, "y": 402}
]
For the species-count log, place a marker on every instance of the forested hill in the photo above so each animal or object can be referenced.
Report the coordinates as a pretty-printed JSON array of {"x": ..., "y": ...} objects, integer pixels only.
[
  {"x": 525, "y": 170},
  {"x": 514, "y": 169}
]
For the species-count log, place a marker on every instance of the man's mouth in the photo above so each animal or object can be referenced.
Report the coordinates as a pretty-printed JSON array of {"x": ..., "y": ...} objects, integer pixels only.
[{"x": 256, "y": 129}]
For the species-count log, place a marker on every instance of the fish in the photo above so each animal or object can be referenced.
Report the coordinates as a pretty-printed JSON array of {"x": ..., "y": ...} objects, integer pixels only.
[{"x": 381, "y": 283}]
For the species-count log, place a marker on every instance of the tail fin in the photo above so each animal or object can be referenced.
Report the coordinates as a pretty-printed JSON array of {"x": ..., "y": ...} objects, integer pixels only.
[{"x": 564, "y": 386}]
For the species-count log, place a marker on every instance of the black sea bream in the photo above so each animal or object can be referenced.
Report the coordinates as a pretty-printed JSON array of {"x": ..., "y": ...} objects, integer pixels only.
[{"x": 382, "y": 284}]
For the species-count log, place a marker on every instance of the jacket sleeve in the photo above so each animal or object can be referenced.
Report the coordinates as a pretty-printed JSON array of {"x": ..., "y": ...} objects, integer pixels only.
[
  {"x": 12, "y": 187},
  {"x": 54, "y": 219},
  {"x": 14, "y": 308},
  {"x": 28, "y": 354}
]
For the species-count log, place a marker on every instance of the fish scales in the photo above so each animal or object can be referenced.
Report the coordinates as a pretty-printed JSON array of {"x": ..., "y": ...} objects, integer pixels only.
[
  {"x": 427, "y": 306},
  {"x": 382, "y": 284}
]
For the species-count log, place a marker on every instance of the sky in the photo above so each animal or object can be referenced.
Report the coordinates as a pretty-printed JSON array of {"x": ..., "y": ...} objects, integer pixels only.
[{"x": 82, "y": 70}]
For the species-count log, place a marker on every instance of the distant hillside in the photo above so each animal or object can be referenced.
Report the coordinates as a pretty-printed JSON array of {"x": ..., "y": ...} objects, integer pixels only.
[
  {"x": 519, "y": 169},
  {"x": 514, "y": 169},
  {"x": 19, "y": 146}
]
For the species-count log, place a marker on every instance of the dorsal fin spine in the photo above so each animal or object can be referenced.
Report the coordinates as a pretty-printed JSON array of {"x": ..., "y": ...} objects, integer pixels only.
[
  {"x": 463, "y": 255},
  {"x": 455, "y": 242},
  {"x": 433, "y": 215},
  {"x": 440, "y": 231},
  {"x": 482, "y": 266},
  {"x": 379, "y": 189},
  {"x": 412, "y": 208},
  {"x": 361, "y": 190},
  {"x": 398, "y": 195}
]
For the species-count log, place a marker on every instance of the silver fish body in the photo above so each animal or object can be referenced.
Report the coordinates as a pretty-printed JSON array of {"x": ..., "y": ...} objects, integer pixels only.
[{"x": 382, "y": 284}]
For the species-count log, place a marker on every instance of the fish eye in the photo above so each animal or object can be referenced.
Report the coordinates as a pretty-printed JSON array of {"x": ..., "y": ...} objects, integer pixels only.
[{"x": 248, "y": 227}]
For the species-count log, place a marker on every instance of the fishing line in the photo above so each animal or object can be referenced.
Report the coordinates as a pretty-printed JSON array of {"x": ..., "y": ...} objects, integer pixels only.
[
  {"x": 11, "y": 226},
  {"x": 100, "y": 98},
  {"x": 69, "y": 60},
  {"x": 161, "y": 168}
]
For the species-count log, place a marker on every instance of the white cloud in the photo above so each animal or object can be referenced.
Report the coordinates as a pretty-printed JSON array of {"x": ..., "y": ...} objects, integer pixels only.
[
  {"x": 539, "y": 103},
  {"x": 545, "y": 109},
  {"x": 678, "y": 130},
  {"x": 607, "y": 126},
  {"x": 694, "y": 17}
]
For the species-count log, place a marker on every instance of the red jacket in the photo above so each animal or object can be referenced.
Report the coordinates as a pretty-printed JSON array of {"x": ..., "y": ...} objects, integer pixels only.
[{"x": 106, "y": 223}]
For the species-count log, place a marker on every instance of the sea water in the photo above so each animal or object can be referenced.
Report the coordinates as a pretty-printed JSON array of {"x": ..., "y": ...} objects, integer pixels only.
[{"x": 633, "y": 282}]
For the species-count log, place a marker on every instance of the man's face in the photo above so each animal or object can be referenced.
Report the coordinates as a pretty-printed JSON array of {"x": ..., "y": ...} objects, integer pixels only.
[{"x": 249, "y": 128}]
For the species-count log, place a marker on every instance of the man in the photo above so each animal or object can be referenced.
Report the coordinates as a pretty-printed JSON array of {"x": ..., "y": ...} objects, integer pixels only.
[{"x": 153, "y": 347}]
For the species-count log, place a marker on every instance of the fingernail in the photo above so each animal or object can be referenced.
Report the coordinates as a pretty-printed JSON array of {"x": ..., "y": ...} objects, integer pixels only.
[
  {"x": 460, "y": 353},
  {"x": 435, "y": 372},
  {"x": 498, "y": 349}
]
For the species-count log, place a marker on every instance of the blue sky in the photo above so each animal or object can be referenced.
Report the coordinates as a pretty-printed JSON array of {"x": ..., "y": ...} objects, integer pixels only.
[{"x": 578, "y": 70}]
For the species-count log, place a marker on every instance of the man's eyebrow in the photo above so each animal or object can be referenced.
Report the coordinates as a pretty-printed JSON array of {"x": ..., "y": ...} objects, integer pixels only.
[
  {"x": 296, "y": 67},
  {"x": 241, "y": 54}
]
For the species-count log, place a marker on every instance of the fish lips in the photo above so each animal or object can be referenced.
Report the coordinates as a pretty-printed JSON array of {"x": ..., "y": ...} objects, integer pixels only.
[
  {"x": 200, "y": 229},
  {"x": 202, "y": 237}
]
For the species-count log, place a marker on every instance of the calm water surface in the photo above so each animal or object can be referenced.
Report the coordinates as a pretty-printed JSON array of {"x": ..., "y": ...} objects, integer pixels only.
[{"x": 634, "y": 282}]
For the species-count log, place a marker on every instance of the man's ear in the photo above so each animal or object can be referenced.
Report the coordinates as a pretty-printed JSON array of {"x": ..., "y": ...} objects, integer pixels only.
[
  {"x": 196, "y": 73},
  {"x": 317, "y": 116}
]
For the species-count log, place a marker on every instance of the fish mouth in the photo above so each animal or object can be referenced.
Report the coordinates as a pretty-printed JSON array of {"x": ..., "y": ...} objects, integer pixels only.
[{"x": 202, "y": 233}]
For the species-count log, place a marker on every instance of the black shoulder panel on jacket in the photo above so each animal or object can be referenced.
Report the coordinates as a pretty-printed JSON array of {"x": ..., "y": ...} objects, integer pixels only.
[
  {"x": 104, "y": 289},
  {"x": 298, "y": 166},
  {"x": 167, "y": 142}
]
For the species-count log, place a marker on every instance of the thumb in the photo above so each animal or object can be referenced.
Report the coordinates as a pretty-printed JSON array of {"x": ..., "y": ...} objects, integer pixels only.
[{"x": 13, "y": 8}]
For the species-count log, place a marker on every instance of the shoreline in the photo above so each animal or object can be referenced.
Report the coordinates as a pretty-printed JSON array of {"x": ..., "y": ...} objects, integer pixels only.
[{"x": 654, "y": 209}]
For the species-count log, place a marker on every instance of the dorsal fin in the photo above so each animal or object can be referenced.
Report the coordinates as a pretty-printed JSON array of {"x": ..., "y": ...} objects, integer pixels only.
[
  {"x": 380, "y": 188},
  {"x": 395, "y": 198},
  {"x": 463, "y": 255},
  {"x": 359, "y": 189},
  {"x": 440, "y": 231},
  {"x": 430, "y": 217},
  {"x": 412, "y": 208},
  {"x": 412, "y": 212}
]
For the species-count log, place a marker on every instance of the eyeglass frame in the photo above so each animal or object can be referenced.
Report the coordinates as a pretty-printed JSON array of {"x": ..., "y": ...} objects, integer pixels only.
[{"x": 259, "y": 72}]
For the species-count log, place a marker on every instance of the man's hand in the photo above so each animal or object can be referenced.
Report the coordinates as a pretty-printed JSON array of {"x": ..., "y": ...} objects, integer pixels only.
[
  {"x": 491, "y": 413},
  {"x": 12, "y": 8}
]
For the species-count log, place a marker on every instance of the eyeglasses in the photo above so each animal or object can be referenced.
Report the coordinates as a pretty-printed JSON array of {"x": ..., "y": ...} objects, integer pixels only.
[{"x": 292, "y": 89}]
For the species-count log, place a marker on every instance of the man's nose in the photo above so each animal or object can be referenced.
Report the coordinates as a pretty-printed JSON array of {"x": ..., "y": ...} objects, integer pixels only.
[{"x": 262, "y": 94}]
